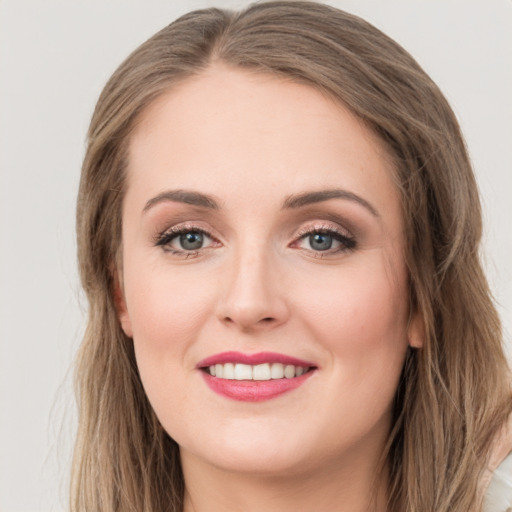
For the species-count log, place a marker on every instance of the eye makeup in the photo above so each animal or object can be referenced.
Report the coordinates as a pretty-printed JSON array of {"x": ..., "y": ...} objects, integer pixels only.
[
  {"x": 324, "y": 239},
  {"x": 185, "y": 240},
  {"x": 320, "y": 239}
]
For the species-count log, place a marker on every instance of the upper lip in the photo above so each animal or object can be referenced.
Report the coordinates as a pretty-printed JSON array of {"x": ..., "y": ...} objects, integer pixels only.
[{"x": 252, "y": 359}]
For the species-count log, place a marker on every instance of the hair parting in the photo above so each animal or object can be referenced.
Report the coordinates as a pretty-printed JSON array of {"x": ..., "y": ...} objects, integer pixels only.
[{"x": 454, "y": 392}]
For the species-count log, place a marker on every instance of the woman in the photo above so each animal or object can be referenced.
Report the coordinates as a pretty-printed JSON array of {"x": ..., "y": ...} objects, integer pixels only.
[{"x": 278, "y": 232}]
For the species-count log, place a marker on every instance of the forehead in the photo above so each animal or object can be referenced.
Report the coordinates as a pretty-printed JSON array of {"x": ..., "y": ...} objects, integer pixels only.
[{"x": 229, "y": 129}]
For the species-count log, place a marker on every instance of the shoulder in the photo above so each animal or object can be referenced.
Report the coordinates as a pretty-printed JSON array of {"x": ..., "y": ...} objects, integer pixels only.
[
  {"x": 498, "y": 497},
  {"x": 498, "y": 478}
]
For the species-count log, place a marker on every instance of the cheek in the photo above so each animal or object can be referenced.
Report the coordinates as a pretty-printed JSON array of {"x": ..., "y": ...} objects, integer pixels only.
[
  {"x": 165, "y": 308},
  {"x": 361, "y": 319},
  {"x": 167, "y": 312}
]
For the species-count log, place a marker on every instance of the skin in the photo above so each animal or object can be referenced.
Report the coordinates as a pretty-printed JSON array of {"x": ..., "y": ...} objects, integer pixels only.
[{"x": 250, "y": 141}]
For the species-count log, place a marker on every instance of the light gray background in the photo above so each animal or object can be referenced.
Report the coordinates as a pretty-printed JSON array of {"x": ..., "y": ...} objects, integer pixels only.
[{"x": 54, "y": 58}]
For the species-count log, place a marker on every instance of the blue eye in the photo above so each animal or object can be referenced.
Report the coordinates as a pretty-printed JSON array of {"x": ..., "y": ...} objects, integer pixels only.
[
  {"x": 320, "y": 241},
  {"x": 325, "y": 240},
  {"x": 191, "y": 241},
  {"x": 184, "y": 241}
]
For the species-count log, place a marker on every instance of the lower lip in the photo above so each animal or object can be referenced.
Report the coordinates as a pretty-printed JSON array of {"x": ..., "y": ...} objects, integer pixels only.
[{"x": 254, "y": 390}]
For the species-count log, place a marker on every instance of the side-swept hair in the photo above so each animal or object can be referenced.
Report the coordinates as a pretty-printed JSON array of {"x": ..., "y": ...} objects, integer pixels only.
[{"x": 454, "y": 393}]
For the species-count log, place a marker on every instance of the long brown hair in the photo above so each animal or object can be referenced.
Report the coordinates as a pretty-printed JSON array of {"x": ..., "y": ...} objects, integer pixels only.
[{"x": 453, "y": 395}]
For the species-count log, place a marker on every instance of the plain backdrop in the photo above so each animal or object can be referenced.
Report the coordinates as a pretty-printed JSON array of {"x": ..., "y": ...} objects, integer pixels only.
[{"x": 54, "y": 58}]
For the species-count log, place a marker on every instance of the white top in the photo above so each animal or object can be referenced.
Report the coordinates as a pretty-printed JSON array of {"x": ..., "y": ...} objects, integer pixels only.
[{"x": 498, "y": 497}]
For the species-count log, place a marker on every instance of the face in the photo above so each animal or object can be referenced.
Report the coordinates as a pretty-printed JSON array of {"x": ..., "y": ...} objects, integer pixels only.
[{"x": 263, "y": 278}]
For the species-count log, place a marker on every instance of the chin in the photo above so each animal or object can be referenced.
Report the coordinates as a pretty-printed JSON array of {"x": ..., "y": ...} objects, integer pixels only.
[
  {"x": 272, "y": 463},
  {"x": 265, "y": 453}
]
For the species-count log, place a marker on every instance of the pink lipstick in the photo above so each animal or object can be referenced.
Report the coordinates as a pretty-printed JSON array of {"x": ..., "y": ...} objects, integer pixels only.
[{"x": 254, "y": 377}]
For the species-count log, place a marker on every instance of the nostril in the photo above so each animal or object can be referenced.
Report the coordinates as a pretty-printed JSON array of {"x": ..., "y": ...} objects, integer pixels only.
[{"x": 265, "y": 320}]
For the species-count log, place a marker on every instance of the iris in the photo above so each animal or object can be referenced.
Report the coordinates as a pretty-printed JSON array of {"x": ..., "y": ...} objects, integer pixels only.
[
  {"x": 320, "y": 241},
  {"x": 192, "y": 240}
]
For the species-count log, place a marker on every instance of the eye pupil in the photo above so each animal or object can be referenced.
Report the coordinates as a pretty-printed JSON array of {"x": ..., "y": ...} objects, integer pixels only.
[
  {"x": 191, "y": 241},
  {"x": 320, "y": 241}
]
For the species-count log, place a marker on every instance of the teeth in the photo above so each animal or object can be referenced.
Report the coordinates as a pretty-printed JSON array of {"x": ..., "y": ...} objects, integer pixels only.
[
  {"x": 261, "y": 372},
  {"x": 277, "y": 371},
  {"x": 243, "y": 372},
  {"x": 289, "y": 371},
  {"x": 265, "y": 371},
  {"x": 229, "y": 371}
]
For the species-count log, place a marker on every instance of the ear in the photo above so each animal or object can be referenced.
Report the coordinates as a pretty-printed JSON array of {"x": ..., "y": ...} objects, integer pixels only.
[
  {"x": 416, "y": 331},
  {"x": 120, "y": 304}
]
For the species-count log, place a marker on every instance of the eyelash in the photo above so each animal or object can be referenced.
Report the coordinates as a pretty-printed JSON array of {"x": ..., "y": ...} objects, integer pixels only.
[
  {"x": 347, "y": 242},
  {"x": 163, "y": 239}
]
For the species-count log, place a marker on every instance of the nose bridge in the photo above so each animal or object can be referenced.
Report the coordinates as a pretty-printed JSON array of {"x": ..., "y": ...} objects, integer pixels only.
[{"x": 252, "y": 297}]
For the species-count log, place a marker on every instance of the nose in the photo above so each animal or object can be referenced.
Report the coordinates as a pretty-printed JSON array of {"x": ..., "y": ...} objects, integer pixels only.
[{"x": 253, "y": 297}]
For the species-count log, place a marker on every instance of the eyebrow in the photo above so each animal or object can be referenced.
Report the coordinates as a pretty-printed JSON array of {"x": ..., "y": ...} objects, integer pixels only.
[
  {"x": 291, "y": 202},
  {"x": 307, "y": 198},
  {"x": 183, "y": 196}
]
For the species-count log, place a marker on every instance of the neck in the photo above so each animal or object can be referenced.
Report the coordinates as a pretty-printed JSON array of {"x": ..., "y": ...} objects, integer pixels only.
[{"x": 358, "y": 487}]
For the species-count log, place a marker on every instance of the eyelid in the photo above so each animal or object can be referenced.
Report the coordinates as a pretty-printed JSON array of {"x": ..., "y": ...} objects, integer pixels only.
[
  {"x": 340, "y": 234},
  {"x": 325, "y": 226},
  {"x": 188, "y": 225},
  {"x": 163, "y": 237}
]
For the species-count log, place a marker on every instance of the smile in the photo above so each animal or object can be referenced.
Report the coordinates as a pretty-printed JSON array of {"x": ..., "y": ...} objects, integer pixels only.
[
  {"x": 265, "y": 371},
  {"x": 254, "y": 377}
]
